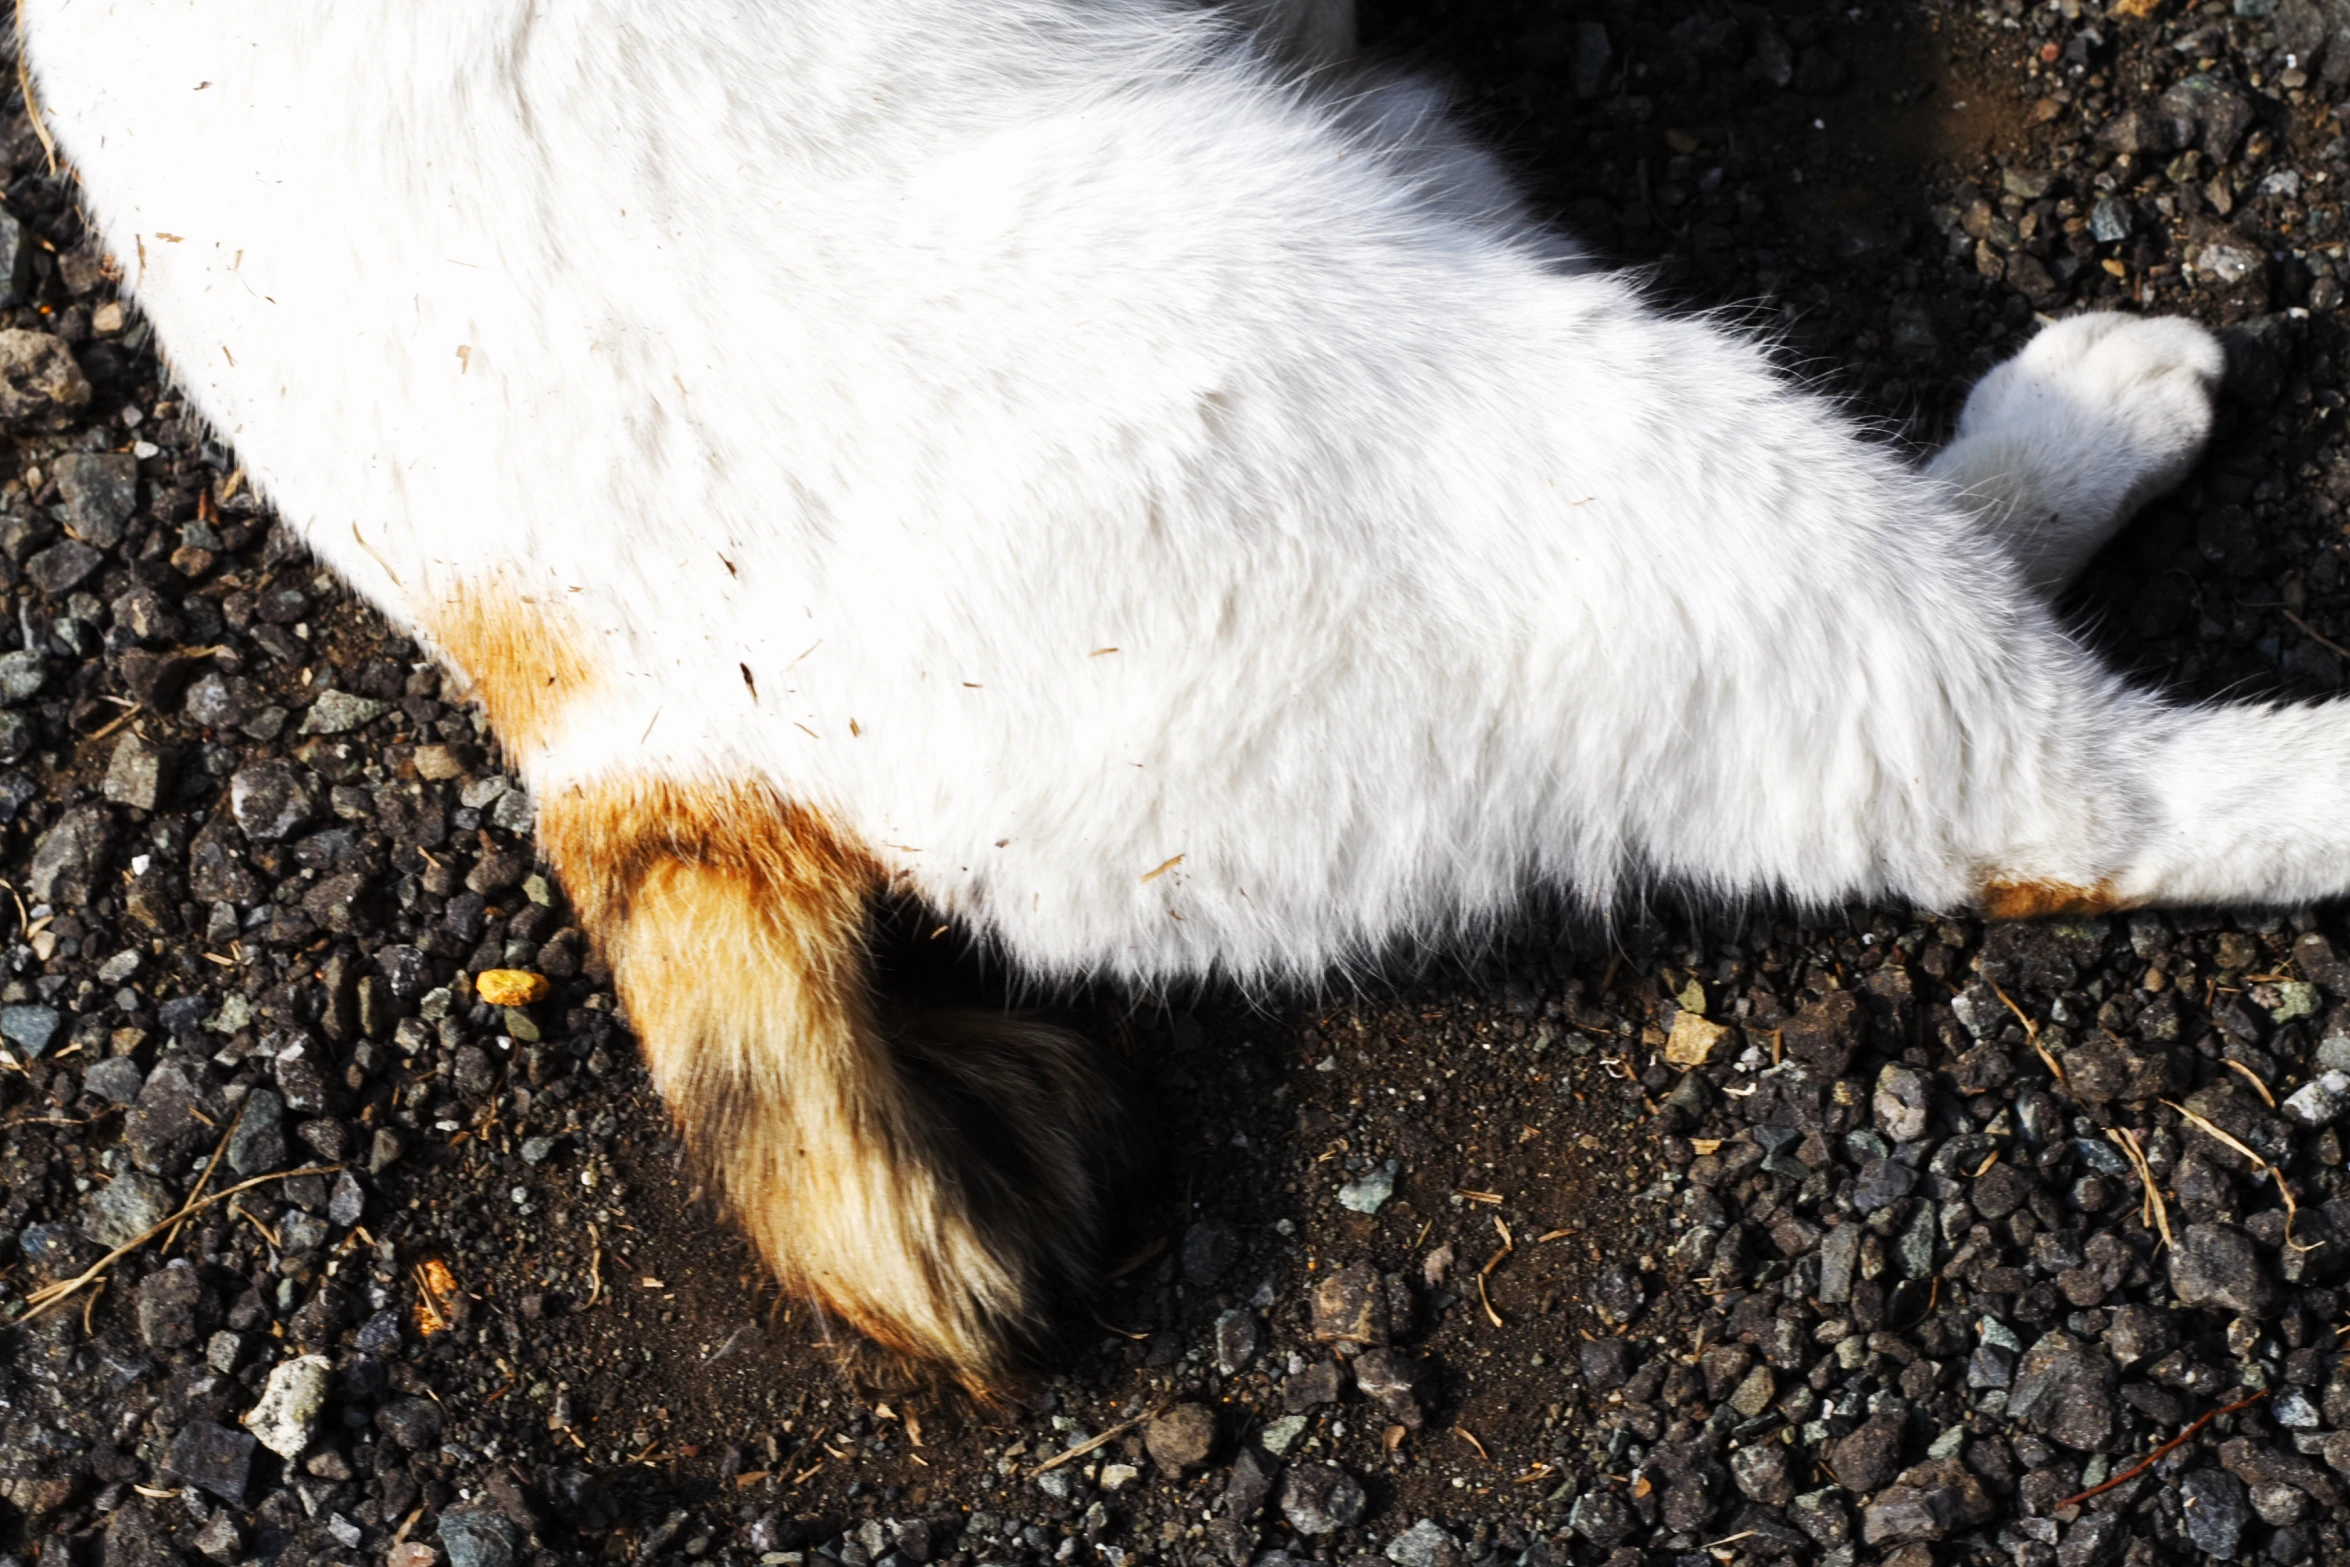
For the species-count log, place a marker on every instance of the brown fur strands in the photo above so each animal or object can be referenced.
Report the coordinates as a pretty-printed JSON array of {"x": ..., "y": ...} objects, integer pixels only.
[
  {"x": 927, "y": 1178},
  {"x": 2031, "y": 900}
]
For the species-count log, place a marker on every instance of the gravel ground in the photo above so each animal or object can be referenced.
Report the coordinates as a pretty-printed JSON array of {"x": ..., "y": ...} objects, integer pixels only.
[{"x": 1707, "y": 1239}]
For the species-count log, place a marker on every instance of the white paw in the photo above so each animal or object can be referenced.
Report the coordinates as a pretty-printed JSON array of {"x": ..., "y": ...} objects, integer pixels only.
[{"x": 2117, "y": 407}]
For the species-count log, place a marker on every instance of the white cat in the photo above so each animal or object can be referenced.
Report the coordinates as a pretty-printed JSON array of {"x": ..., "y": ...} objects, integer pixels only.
[{"x": 1137, "y": 486}]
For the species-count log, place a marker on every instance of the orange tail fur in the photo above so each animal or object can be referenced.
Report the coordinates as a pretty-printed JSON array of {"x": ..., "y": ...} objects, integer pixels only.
[{"x": 927, "y": 1180}]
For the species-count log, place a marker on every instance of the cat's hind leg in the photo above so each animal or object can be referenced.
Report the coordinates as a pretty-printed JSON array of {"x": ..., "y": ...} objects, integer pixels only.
[
  {"x": 2059, "y": 445},
  {"x": 928, "y": 1181}
]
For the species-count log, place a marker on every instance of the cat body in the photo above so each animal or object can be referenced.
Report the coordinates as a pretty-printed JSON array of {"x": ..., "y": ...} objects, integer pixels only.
[{"x": 1154, "y": 501}]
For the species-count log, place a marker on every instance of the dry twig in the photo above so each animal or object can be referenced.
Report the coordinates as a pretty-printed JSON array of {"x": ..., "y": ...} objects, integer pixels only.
[
  {"x": 42, "y": 1300},
  {"x": 2260, "y": 1166},
  {"x": 1092, "y": 1443},
  {"x": 1508, "y": 1245},
  {"x": 2151, "y": 1209},
  {"x": 2157, "y": 1456},
  {"x": 2032, "y": 1033}
]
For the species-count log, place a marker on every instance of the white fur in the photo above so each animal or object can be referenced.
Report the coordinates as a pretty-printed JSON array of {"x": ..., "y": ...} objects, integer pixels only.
[
  {"x": 2097, "y": 416},
  {"x": 979, "y": 338}
]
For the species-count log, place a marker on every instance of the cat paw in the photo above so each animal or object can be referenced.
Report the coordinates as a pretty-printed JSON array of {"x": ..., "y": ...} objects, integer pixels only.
[{"x": 2117, "y": 406}]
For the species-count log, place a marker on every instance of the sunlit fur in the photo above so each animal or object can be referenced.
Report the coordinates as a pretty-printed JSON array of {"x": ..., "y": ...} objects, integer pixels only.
[{"x": 1150, "y": 494}]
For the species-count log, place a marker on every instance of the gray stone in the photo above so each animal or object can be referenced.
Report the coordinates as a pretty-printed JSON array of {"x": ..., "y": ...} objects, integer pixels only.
[
  {"x": 413, "y": 1423},
  {"x": 1389, "y": 1379},
  {"x": 2216, "y": 1511},
  {"x": 173, "y": 1307},
  {"x": 116, "y": 1080},
  {"x": 1236, "y": 1340},
  {"x": 1839, "y": 1257},
  {"x": 1903, "y": 1102},
  {"x": 1319, "y": 1499},
  {"x": 2229, "y": 260},
  {"x": 1310, "y": 1389},
  {"x": 1606, "y": 1363},
  {"x": 1424, "y": 1544},
  {"x": 514, "y": 812},
  {"x": 1279, "y": 1436},
  {"x": 100, "y": 491},
  {"x": 29, "y": 1027},
  {"x": 339, "y": 712},
  {"x": 258, "y": 1145},
  {"x": 1251, "y": 1482},
  {"x": 2333, "y": 1051},
  {"x": 1882, "y": 1183},
  {"x": 63, "y": 566},
  {"x": 1617, "y": 1295},
  {"x": 1990, "y": 1366},
  {"x": 2064, "y": 1389},
  {"x": 1822, "y": 1515},
  {"x": 40, "y": 385},
  {"x": 1870, "y": 1456},
  {"x": 2109, "y": 220},
  {"x": 270, "y": 800},
  {"x": 348, "y": 1202},
  {"x": 1763, "y": 1473},
  {"x": 1932, "y": 1502},
  {"x": 126, "y": 1208},
  {"x": 219, "y": 701},
  {"x": 2094, "y": 1540},
  {"x": 21, "y": 677},
  {"x": 69, "y": 860},
  {"x": 1602, "y": 1517},
  {"x": 212, "y": 1458},
  {"x": 1181, "y": 1438},
  {"x": 478, "y": 1537},
  {"x": 2217, "y": 1266},
  {"x": 220, "y": 1539},
  {"x": 286, "y": 1414},
  {"x": 2257, "y": 1464},
  {"x": 135, "y": 1538},
  {"x": 147, "y": 615},
  {"x": 16, "y": 263},
  {"x": 137, "y": 772},
  {"x": 2277, "y": 1505},
  {"x": 2319, "y": 1102},
  {"x": 1754, "y": 1392},
  {"x": 301, "y": 1232},
  {"x": 1369, "y": 1191},
  {"x": 170, "y": 1121}
]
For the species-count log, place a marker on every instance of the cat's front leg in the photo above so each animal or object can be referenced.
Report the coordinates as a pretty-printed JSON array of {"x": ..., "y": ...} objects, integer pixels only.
[{"x": 2060, "y": 445}]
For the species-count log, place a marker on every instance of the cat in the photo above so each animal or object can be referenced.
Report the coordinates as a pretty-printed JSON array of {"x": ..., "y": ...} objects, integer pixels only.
[{"x": 1137, "y": 482}]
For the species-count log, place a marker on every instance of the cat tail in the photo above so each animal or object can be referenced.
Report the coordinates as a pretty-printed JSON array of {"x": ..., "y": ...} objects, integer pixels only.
[{"x": 928, "y": 1179}]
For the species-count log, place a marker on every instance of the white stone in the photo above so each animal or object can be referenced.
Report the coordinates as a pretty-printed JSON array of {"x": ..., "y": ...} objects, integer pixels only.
[{"x": 289, "y": 1405}]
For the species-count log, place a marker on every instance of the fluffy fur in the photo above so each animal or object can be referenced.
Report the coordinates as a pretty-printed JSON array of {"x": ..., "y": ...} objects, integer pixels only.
[{"x": 1132, "y": 484}]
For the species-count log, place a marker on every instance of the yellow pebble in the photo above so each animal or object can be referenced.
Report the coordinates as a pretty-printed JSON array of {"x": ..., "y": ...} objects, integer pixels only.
[{"x": 510, "y": 987}]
